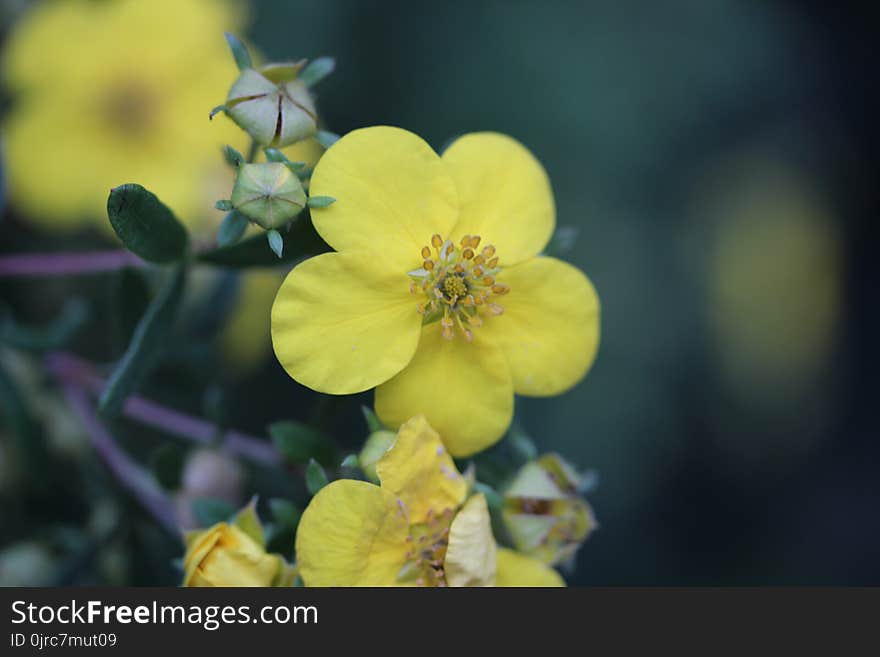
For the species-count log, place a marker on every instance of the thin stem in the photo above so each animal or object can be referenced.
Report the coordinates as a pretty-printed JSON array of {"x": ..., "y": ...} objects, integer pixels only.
[
  {"x": 127, "y": 472},
  {"x": 252, "y": 151},
  {"x": 76, "y": 371},
  {"x": 55, "y": 264}
]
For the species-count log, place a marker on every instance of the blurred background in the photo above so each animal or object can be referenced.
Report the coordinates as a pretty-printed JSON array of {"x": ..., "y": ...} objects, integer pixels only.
[{"x": 714, "y": 171}]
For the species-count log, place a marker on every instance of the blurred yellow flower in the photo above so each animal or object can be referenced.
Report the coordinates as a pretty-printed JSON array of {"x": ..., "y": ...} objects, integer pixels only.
[
  {"x": 224, "y": 555},
  {"x": 417, "y": 528},
  {"x": 515, "y": 569},
  {"x": 437, "y": 294},
  {"x": 114, "y": 92}
]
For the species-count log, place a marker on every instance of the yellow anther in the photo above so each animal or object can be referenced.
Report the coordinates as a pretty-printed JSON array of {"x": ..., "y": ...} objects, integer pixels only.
[
  {"x": 478, "y": 300},
  {"x": 448, "y": 333},
  {"x": 478, "y": 272},
  {"x": 465, "y": 241},
  {"x": 495, "y": 309},
  {"x": 489, "y": 281},
  {"x": 414, "y": 288},
  {"x": 488, "y": 251},
  {"x": 474, "y": 320},
  {"x": 479, "y": 260},
  {"x": 458, "y": 269},
  {"x": 492, "y": 263},
  {"x": 436, "y": 241},
  {"x": 428, "y": 264},
  {"x": 468, "y": 300},
  {"x": 500, "y": 289},
  {"x": 426, "y": 252},
  {"x": 467, "y": 254},
  {"x": 475, "y": 241}
]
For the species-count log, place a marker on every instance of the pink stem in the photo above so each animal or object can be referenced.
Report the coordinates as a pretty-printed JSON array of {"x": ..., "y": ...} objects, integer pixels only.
[
  {"x": 55, "y": 264},
  {"x": 77, "y": 371},
  {"x": 129, "y": 474}
]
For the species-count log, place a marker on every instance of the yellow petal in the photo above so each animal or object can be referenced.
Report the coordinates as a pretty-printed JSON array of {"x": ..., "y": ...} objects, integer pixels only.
[
  {"x": 471, "y": 555},
  {"x": 515, "y": 569},
  {"x": 504, "y": 194},
  {"x": 392, "y": 194},
  {"x": 463, "y": 389},
  {"x": 340, "y": 326},
  {"x": 418, "y": 470},
  {"x": 351, "y": 534},
  {"x": 549, "y": 331}
]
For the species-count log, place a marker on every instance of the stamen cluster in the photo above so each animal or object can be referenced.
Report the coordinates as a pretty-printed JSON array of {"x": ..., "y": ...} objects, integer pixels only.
[{"x": 459, "y": 284}]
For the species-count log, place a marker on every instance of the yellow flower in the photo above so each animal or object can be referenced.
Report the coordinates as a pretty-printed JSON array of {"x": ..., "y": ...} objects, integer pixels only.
[
  {"x": 114, "y": 92},
  {"x": 417, "y": 528},
  {"x": 437, "y": 293},
  {"x": 224, "y": 555}
]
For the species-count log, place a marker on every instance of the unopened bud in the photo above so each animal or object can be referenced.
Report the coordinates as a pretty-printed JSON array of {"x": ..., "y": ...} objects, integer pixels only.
[
  {"x": 272, "y": 105},
  {"x": 268, "y": 194}
]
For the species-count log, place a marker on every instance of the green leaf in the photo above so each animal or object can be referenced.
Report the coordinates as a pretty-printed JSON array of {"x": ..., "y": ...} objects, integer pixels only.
[
  {"x": 374, "y": 424},
  {"x": 351, "y": 461},
  {"x": 285, "y": 513},
  {"x": 317, "y": 70},
  {"x": 149, "y": 336},
  {"x": 145, "y": 225},
  {"x": 299, "y": 442},
  {"x": 167, "y": 466},
  {"x": 56, "y": 334},
  {"x": 316, "y": 478},
  {"x": 239, "y": 52},
  {"x": 233, "y": 157},
  {"x": 248, "y": 521},
  {"x": 320, "y": 201},
  {"x": 217, "y": 110},
  {"x": 224, "y": 204},
  {"x": 209, "y": 511},
  {"x": 326, "y": 139},
  {"x": 231, "y": 228},
  {"x": 301, "y": 241},
  {"x": 276, "y": 242}
]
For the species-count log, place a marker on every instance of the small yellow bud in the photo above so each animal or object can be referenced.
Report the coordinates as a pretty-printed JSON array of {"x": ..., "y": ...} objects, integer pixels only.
[
  {"x": 268, "y": 194},
  {"x": 272, "y": 105},
  {"x": 224, "y": 555}
]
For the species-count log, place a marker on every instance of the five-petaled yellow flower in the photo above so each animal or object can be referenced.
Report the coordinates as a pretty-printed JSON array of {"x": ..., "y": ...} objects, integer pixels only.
[
  {"x": 437, "y": 293},
  {"x": 417, "y": 528}
]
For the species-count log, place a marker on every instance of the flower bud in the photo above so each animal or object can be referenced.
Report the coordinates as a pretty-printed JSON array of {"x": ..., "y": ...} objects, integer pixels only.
[
  {"x": 543, "y": 512},
  {"x": 224, "y": 555},
  {"x": 268, "y": 194},
  {"x": 272, "y": 105},
  {"x": 374, "y": 448},
  {"x": 208, "y": 473}
]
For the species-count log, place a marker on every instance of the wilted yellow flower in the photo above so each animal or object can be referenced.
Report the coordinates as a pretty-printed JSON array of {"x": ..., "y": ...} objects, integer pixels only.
[
  {"x": 437, "y": 294},
  {"x": 543, "y": 510},
  {"x": 224, "y": 555},
  {"x": 417, "y": 528},
  {"x": 114, "y": 92}
]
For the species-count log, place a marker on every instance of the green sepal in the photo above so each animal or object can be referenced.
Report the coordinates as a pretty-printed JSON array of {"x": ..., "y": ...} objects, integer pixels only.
[
  {"x": 317, "y": 70},
  {"x": 224, "y": 204},
  {"x": 217, "y": 110},
  {"x": 320, "y": 201},
  {"x": 373, "y": 422},
  {"x": 302, "y": 241},
  {"x": 233, "y": 157},
  {"x": 276, "y": 242},
  {"x": 350, "y": 462},
  {"x": 239, "y": 52}
]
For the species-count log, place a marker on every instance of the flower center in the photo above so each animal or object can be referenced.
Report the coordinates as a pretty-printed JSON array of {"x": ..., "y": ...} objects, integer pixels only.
[
  {"x": 428, "y": 542},
  {"x": 458, "y": 285},
  {"x": 129, "y": 107}
]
